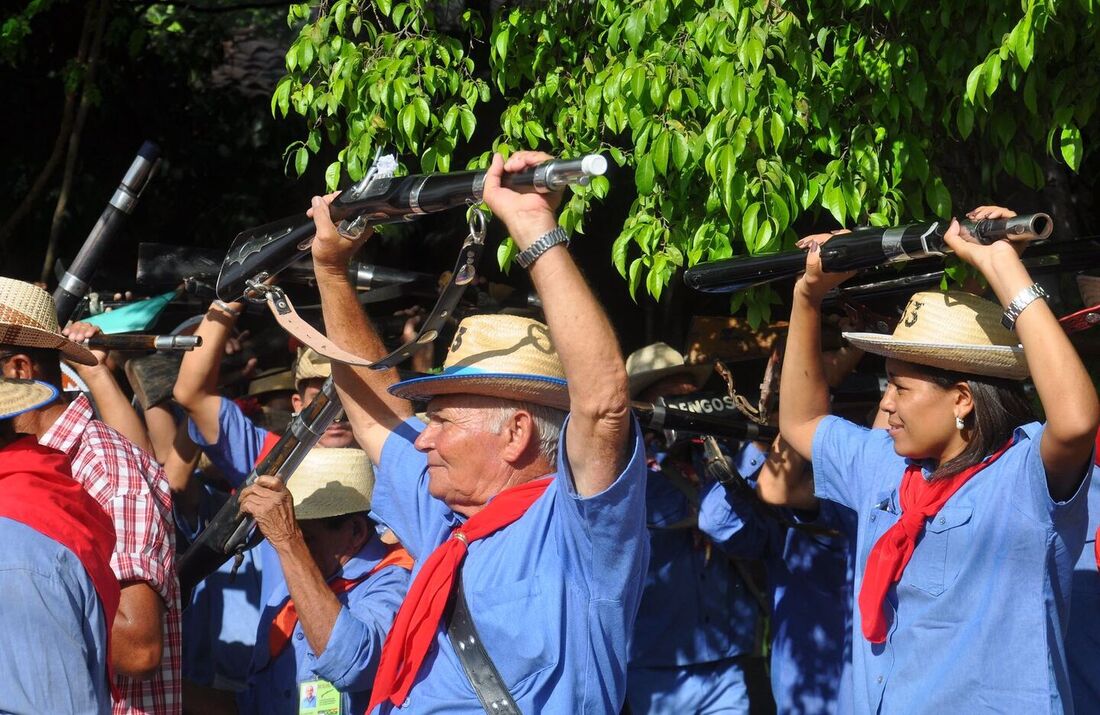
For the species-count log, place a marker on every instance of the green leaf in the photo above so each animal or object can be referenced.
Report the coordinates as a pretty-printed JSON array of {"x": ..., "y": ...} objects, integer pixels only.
[
  {"x": 777, "y": 129},
  {"x": 468, "y": 121},
  {"x": 506, "y": 252},
  {"x": 1071, "y": 146},
  {"x": 660, "y": 153},
  {"x": 938, "y": 198},
  {"x": 332, "y": 176},
  {"x": 644, "y": 175},
  {"x": 423, "y": 112},
  {"x": 408, "y": 120},
  {"x": 500, "y": 44},
  {"x": 964, "y": 120},
  {"x": 973, "y": 81},
  {"x": 750, "y": 225},
  {"x": 301, "y": 160}
]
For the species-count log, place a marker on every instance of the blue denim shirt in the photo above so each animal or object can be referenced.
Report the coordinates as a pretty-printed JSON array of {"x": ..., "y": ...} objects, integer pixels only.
[
  {"x": 1083, "y": 636},
  {"x": 350, "y": 658},
  {"x": 53, "y": 635},
  {"x": 695, "y": 607},
  {"x": 554, "y": 594},
  {"x": 809, "y": 577},
  {"x": 978, "y": 620}
]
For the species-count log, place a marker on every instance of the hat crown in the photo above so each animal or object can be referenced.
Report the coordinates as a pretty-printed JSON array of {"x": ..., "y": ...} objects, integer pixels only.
[
  {"x": 953, "y": 317},
  {"x": 310, "y": 364},
  {"x": 332, "y": 482},
  {"x": 504, "y": 344},
  {"x": 656, "y": 356},
  {"x": 28, "y": 305}
]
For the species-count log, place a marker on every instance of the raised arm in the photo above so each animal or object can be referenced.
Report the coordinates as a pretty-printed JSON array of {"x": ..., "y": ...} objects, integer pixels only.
[
  {"x": 111, "y": 402},
  {"x": 599, "y": 423},
  {"x": 784, "y": 479},
  {"x": 1065, "y": 390},
  {"x": 372, "y": 411},
  {"x": 804, "y": 391},
  {"x": 196, "y": 388}
]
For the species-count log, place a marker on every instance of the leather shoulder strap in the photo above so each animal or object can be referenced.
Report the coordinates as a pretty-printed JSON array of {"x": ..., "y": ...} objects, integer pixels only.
[{"x": 479, "y": 667}]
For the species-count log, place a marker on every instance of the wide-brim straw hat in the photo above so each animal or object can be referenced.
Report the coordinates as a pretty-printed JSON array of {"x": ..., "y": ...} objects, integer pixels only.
[
  {"x": 311, "y": 365},
  {"x": 1089, "y": 286},
  {"x": 275, "y": 380},
  {"x": 952, "y": 330},
  {"x": 503, "y": 356},
  {"x": 19, "y": 396},
  {"x": 28, "y": 318},
  {"x": 655, "y": 362},
  {"x": 331, "y": 482}
]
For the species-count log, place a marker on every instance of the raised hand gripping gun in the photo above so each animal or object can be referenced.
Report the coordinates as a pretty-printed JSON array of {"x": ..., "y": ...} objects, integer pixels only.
[{"x": 229, "y": 533}]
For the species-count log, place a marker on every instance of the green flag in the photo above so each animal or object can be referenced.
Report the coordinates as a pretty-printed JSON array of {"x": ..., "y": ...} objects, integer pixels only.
[{"x": 132, "y": 318}]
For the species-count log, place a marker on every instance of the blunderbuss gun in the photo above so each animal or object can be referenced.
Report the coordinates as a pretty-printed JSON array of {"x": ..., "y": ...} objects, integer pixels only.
[
  {"x": 861, "y": 249},
  {"x": 658, "y": 416},
  {"x": 259, "y": 253},
  {"x": 230, "y": 533},
  {"x": 73, "y": 285},
  {"x": 139, "y": 343}
]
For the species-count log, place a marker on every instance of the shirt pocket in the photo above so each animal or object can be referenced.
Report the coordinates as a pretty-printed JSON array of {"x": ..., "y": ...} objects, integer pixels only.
[
  {"x": 938, "y": 557},
  {"x": 503, "y": 616}
]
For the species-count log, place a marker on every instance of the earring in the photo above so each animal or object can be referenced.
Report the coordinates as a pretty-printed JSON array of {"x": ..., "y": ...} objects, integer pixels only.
[{"x": 959, "y": 423}]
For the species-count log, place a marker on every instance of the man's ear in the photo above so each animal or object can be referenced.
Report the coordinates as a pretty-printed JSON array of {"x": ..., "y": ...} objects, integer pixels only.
[
  {"x": 296, "y": 402},
  {"x": 522, "y": 441},
  {"x": 361, "y": 531},
  {"x": 19, "y": 366}
]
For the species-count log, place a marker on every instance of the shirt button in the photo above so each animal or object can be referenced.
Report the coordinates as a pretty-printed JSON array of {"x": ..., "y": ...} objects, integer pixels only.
[
  {"x": 942, "y": 520},
  {"x": 872, "y": 517},
  {"x": 300, "y": 636},
  {"x": 878, "y": 679}
]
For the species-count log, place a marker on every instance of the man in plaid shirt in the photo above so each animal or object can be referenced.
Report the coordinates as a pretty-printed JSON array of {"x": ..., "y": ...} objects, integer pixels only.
[{"x": 131, "y": 487}]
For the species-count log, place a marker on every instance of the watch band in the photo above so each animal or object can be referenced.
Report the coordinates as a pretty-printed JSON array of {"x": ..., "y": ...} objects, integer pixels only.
[
  {"x": 543, "y": 244},
  {"x": 1022, "y": 300}
]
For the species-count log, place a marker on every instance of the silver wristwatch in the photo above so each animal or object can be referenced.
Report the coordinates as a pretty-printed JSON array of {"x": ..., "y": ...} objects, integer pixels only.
[
  {"x": 1022, "y": 300},
  {"x": 543, "y": 244}
]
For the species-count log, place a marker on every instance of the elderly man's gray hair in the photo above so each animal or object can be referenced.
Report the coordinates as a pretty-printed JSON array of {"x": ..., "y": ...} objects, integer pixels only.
[{"x": 548, "y": 423}]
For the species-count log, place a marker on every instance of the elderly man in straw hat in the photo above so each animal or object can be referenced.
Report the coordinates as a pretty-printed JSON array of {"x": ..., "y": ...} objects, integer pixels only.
[
  {"x": 530, "y": 527},
  {"x": 59, "y": 592},
  {"x": 697, "y": 623},
  {"x": 128, "y": 484},
  {"x": 322, "y": 625}
]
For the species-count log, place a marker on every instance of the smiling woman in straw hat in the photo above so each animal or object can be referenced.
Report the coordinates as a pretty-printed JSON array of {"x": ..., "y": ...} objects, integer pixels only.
[{"x": 971, "y": 515}]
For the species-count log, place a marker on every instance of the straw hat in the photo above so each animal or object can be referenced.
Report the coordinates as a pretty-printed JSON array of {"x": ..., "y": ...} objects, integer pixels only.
[
  {"x": 310, "y": 365},
  {"x": 331, "y": 482},
  {"x": 28, "y": 317},
  {"x": 952, "y": 331},
  {"x": 274, "y": 380},
  {"x": 499, "y": 356},
  {"x": 19, "y": 396},
  {"x": 655, "y": 362},
  {"x": 1090, "y": 290}
]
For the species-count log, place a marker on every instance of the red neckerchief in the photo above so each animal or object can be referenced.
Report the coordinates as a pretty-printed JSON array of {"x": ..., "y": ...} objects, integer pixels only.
[
  {"x": 37, "y": 489},
  {"x": 417, "y": 620},
  {"x": 920, "y": 499},
  {"x": 282, "y": 626}
]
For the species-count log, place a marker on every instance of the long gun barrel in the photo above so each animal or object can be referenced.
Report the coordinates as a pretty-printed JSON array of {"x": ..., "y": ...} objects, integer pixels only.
[
  {"x": 863, "y": 248},
  {"x": 267, "y": 250},
  {"x": 74, "y": 284},
  {"x": 229, "y": 533},
  {"x": 656, "y": 416},
  {"x": 132, "y": 342}
]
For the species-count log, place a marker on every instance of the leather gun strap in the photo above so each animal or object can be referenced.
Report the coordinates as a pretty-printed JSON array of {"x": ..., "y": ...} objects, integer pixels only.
[
  {"x": 479, "y": 667},
  {"x": 464, "y": 272}
]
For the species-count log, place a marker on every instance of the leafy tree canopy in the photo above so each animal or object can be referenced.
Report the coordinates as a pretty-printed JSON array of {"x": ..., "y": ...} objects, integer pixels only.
[{"x": 737, "y": 117}]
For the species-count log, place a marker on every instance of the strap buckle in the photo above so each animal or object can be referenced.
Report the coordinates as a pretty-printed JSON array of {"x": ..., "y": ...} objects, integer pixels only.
[{"x": 471, "y": 247}]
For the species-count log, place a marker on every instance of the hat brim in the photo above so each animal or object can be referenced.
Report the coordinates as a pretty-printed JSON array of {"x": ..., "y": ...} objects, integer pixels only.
[
  {"x": 987, "y": 360},
  {"x": 31, "y": 337},
  {"x": 19, "y": 396},
  {"x": 548, "y": 391},
  {"x": 642, "y": 380}
]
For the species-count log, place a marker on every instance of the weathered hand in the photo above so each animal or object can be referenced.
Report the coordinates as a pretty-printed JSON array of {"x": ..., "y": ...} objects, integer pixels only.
[
  {"x": 79, "y": 332},
  {"x": 527, "y": 215},
  {"x": 331, "y": 251},
  {"x": 815, "y": 281},
  {"x": 270, "y": 503}
]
